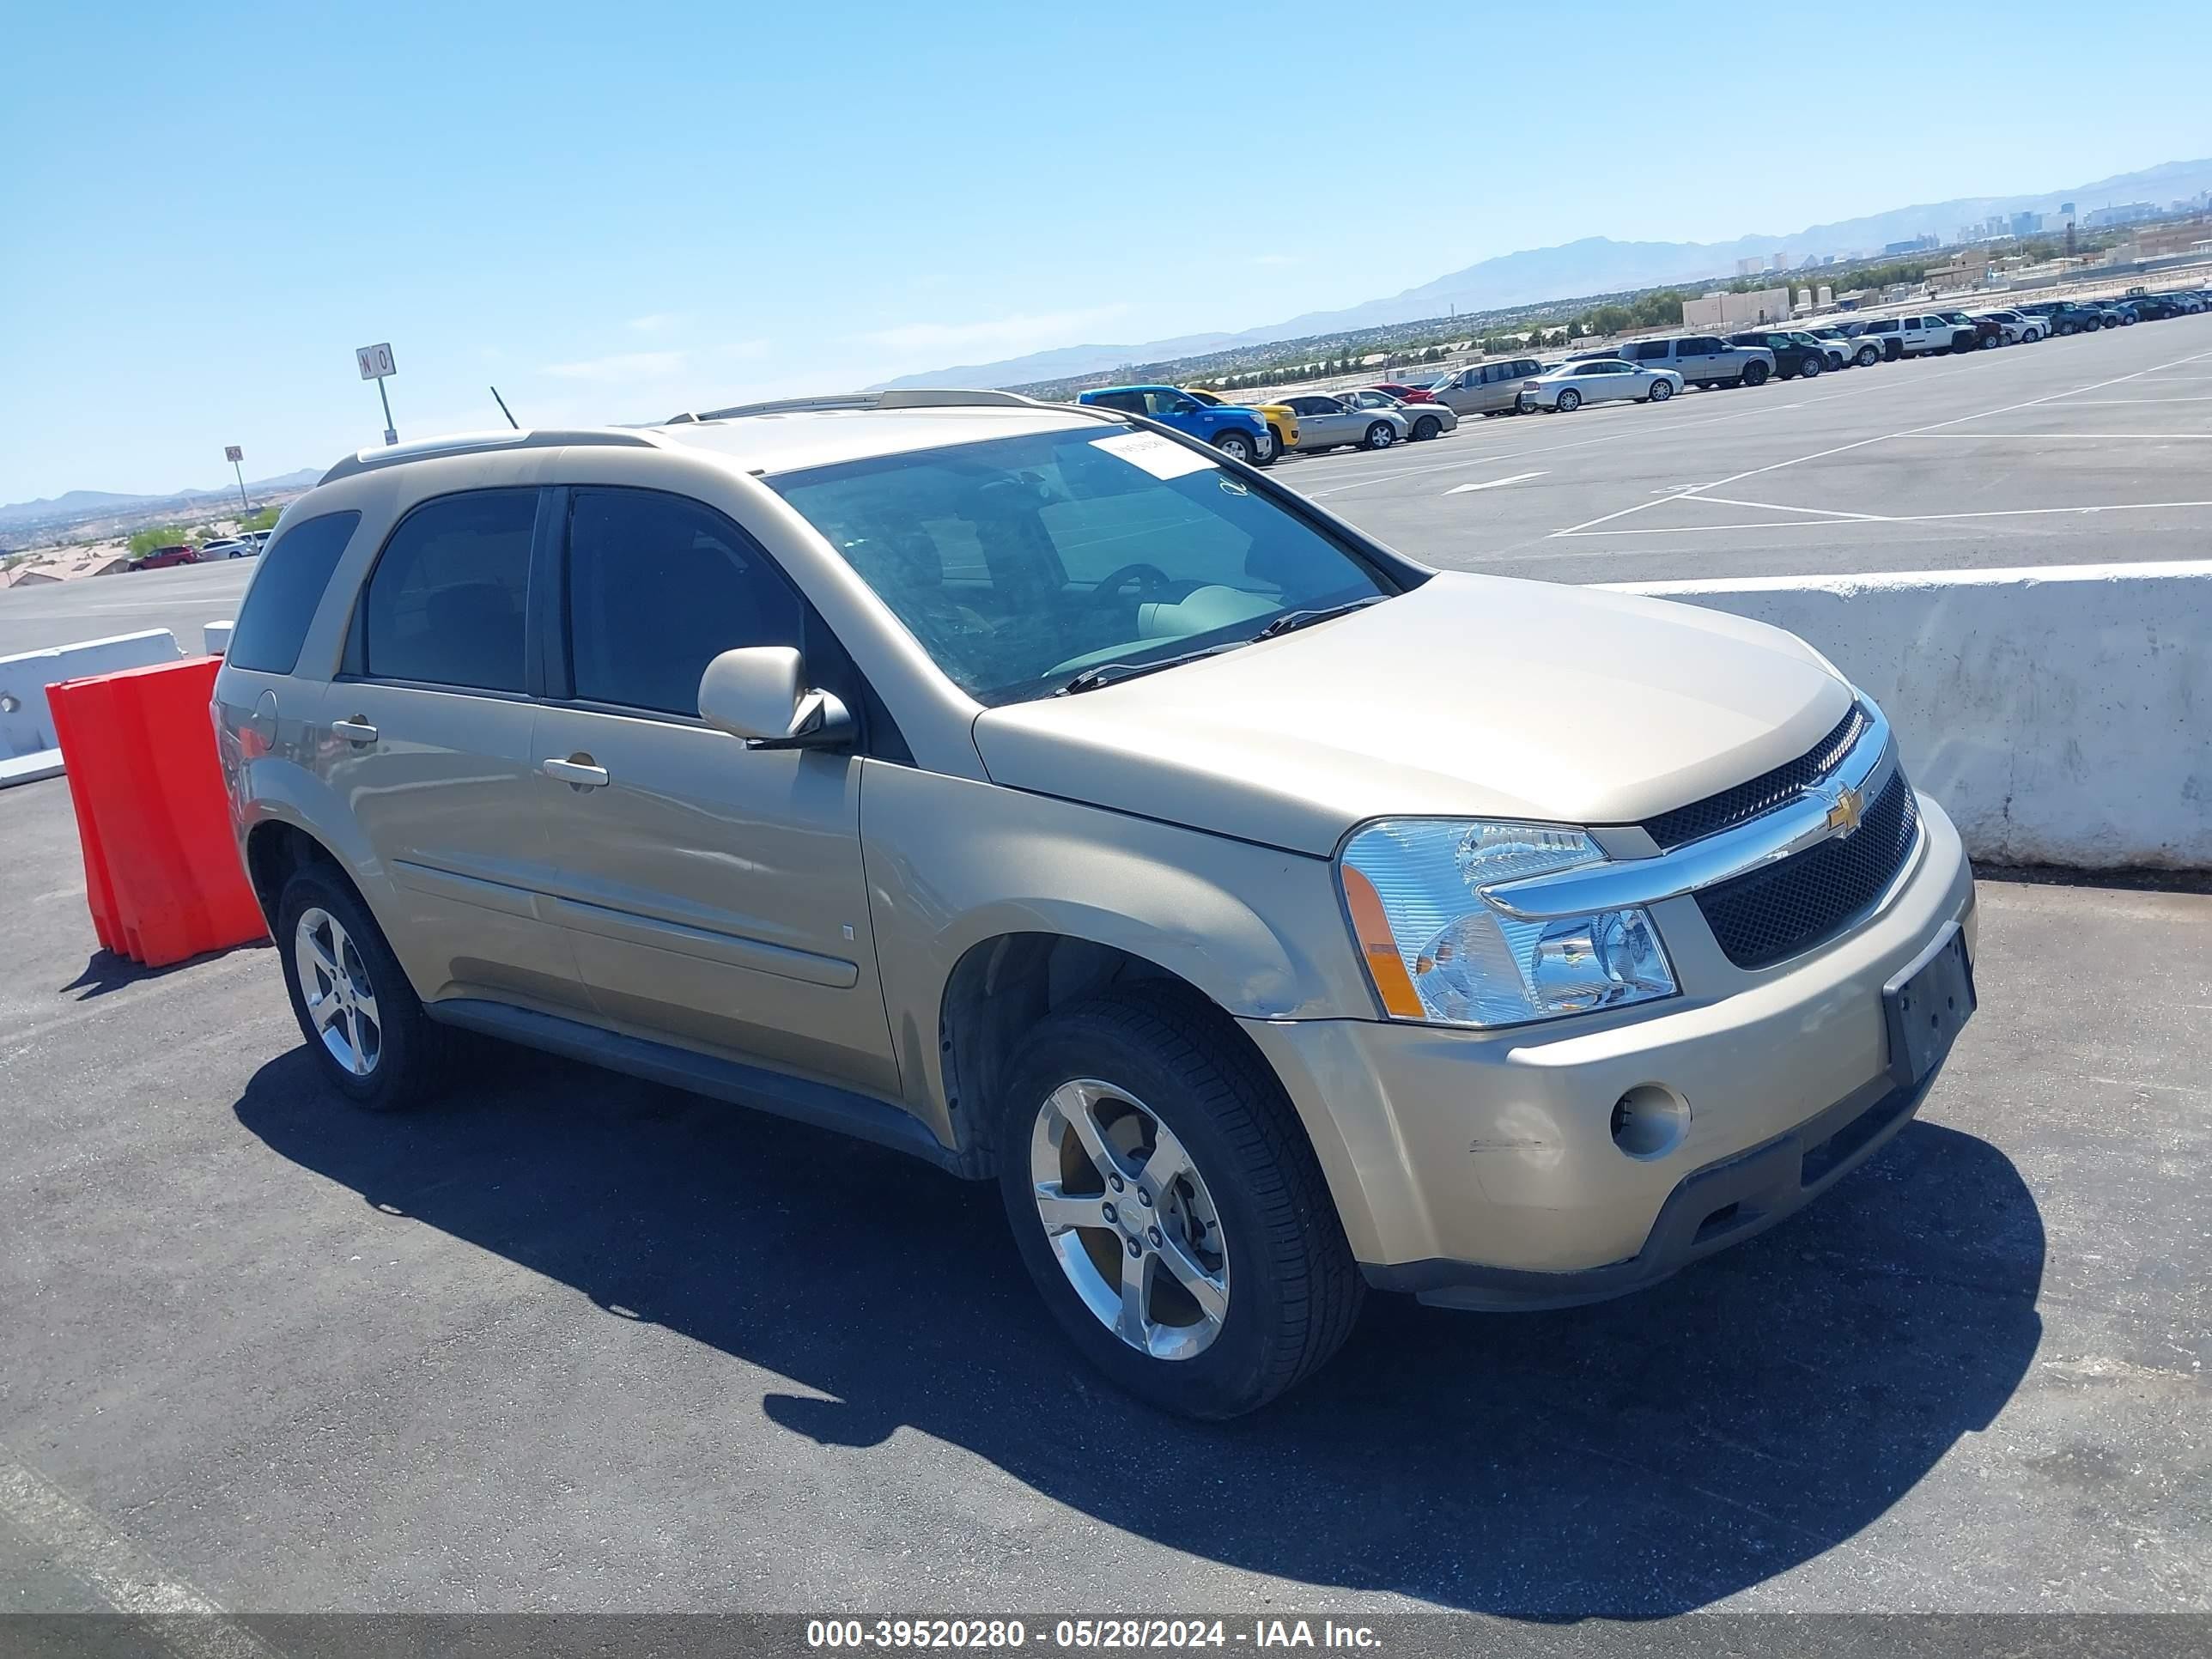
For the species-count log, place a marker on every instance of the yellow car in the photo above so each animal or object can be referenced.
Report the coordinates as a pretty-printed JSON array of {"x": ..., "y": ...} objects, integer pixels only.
[{"x": 1282, "y": 420}]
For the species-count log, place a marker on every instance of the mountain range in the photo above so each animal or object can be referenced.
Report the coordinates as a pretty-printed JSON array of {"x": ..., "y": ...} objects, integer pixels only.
[
  {"x": 1594, "y": 264},
  {"x": 75, "y": 504}
]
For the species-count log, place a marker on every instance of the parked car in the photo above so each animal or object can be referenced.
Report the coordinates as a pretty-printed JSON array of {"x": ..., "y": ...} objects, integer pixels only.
[
  {"x": 2017, "y": 327},
  {"x": 164, "y": 558},
  {"x": 2152, "y": 307},
  {"x": 1422, "y": 421},
  {"x": 1796, "y": 356},
  {"x": 228, "y": 547},
  {"x": 2066, "y": 316},
  {"x": 1971, "y": 333},
  {"x": 1282, "y": 421},
  {"x": 1405, "y": 394},
  {"x": 2191, "y": 302},
  {"x": 1701, "y": 359},
  {"x": 1596, "y": 380},
  {"x": 1486, "y": 388},
  {"x": 888, "y": 798},
  {"x": 1843, "y": 338},
  {"x": 1243, "y": 435},
  {"x": 1914, "y": 335},
  {"x": 1326, "y": 422}
]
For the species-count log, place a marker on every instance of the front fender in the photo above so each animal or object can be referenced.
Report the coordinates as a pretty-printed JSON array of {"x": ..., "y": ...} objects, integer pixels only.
[{"x": 952, "y": 862}]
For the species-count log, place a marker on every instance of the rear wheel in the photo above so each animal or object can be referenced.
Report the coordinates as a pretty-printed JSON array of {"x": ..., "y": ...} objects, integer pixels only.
[
  {"x": 1568, "y": 401},
  {"x": 1990, "y": 342},
  {"x": 1167, "y": 1204},
  {"x": 1754, "y": 375},
  {"x": 1426, "y": 428},
  {"x": 369, "y": 1036},
  {"x": 1380, "y": 435}
]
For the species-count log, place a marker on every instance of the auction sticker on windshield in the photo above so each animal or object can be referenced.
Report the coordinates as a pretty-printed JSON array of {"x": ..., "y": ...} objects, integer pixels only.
[{"x": 1156, "y": 454}]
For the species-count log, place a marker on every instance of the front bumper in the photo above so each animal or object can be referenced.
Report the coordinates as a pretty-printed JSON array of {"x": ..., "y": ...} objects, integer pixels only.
[{"x": 1479, "y": 1169}]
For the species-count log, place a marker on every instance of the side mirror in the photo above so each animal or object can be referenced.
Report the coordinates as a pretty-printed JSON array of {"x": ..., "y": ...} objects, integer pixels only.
[{"x": 759, "y": 693}]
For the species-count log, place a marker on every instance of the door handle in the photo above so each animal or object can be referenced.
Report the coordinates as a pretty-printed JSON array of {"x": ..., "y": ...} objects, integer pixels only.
[
  {"x": 355, "y": 729},
  {"x": 578, "y": 769}
]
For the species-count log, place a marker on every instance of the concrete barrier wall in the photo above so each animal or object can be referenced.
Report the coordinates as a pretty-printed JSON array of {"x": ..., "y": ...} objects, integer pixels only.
[
  {"x": 27, "y": 748},
  {"x": 2062, "y": 715},
  {"x": 214, "y": 638}
]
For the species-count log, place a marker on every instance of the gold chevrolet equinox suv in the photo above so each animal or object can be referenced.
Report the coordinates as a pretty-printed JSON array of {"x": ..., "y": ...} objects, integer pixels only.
[{"x": 1052, "y": 798}]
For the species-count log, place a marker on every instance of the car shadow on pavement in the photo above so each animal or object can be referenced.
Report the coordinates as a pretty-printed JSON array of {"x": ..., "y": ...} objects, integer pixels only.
[{"x": 1639, "y": 1458}]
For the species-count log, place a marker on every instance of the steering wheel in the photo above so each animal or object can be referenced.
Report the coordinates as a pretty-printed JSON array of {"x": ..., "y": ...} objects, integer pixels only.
[{"x": 1150, "y": 574}]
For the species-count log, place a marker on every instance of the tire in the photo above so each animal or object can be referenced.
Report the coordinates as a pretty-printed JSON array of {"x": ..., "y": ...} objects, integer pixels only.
[
  {"x": 1990, "y": 342},
  {"x": 1237, "y": 445},
  {"x": 2066, "y": 328},
  {"x": 1660, "y": 391},
  {"x": 1568, "y": 401},
  {"x": 2090, "y": 325},
  {"x": 1380, "y": 435},
  {"x": 1277, "y": 447},
  {"x": 1755, "y": 374},
  {"x": 1810, "y": 368},
  {"x": 1867, "y": 356},
  {"x": 376, "y": 1046},
  {"x": 1426, "y": 428},
  {"x": 1266, "y": 1246}
]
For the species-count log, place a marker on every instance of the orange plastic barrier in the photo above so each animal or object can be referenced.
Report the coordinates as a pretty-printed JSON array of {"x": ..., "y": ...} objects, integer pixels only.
[{"x": 160, "y": 870}]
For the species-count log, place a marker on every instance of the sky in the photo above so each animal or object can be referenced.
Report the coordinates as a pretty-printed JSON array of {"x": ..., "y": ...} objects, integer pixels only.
[{"x": 614, "y": 212}]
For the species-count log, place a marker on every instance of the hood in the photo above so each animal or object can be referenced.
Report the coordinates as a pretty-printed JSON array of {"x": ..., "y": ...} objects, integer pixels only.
[{"x": 1477, "y": 696}]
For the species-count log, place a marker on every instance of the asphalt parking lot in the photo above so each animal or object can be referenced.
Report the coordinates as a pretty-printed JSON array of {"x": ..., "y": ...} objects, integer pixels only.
[
  {"x": 572, "y": 1342},
  {"x": 2087, "y": 450}
]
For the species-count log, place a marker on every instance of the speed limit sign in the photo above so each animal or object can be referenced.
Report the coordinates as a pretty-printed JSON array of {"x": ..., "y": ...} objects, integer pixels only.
[{"x": 233, "y": 453}]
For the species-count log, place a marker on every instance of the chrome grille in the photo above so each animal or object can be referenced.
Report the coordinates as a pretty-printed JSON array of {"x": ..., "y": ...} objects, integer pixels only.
[{"x": 1746, "y": 801}]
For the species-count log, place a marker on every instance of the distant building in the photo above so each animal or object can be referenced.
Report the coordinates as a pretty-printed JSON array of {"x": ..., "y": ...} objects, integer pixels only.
[
  {"x": 1721, "y": 311},
  {"x": 1746, "y": 267},
  {"x": 2066, "y": 212},
  {"x": 2026, "y": 224},
  {"x": 1910, "y": 244},
  {"x": 1780, "y": 262},
  {"x": 2125, "y": 213}
]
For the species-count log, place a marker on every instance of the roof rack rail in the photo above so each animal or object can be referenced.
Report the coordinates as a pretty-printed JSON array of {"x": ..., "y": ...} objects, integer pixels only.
[
  {"x": 473, "y": 443},
  {"x": 894, "y": 397}
]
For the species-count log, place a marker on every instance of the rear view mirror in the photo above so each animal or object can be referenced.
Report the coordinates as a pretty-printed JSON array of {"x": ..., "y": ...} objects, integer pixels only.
[{"x": 759, "y": 693}]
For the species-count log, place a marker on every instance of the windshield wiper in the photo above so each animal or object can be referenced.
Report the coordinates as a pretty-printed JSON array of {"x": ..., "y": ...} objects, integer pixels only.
[
  {"x": 1106, "y": 673},
  {"x": 1291, "y": 621}
]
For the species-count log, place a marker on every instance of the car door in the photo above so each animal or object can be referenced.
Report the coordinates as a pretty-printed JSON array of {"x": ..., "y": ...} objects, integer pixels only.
[
  {"x": 426, "y": 739},
  {"x": 712, "y": 894},
  {"x": 1619, "y": 381}
]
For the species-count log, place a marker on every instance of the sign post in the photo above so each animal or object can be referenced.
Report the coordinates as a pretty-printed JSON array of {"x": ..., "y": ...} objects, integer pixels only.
[
  {"x": 234, "y": 455},
  {"x": 375, "y": 365}
]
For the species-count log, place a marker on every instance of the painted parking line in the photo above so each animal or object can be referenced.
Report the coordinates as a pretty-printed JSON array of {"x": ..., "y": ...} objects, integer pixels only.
[
  {"x": 1493, "y": 484},
  {"x": 1588, "y": 526},
  {"x": 1855, "y": 520},
  {"x": 179, "y": 1617}
]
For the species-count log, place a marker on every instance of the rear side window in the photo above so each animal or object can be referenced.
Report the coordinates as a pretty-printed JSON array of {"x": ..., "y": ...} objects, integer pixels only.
[
  {"x": 445, "y": 603},
  {"x": 286, "y": 590},
  {"x": 658, "y": 586}
]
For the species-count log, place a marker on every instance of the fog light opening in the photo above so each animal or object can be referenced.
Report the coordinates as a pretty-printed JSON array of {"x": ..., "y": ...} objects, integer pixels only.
[{"x": 1650, "y": 1121}]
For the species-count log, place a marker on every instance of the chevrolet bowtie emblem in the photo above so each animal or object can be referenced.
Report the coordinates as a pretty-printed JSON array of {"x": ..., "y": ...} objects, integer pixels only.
[{"x": 1846, "y": 807}]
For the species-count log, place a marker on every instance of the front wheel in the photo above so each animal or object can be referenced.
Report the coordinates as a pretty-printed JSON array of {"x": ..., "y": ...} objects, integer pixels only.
[
  {"x": 1237, "y": 445},
  {"x": 1168, "y": 1206},
  {"x": 1380, "y": 435},
  {"x": 1660, "y": 391},
  {"x": 1810, "y": 368},
  {"x": 1426, "y": 428},
  {"x": 1867, "y": 357},
  {"x": 1568, "y": 401}
]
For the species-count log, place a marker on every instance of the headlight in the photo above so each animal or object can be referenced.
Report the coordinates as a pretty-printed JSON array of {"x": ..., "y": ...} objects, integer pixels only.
[{"x": 1436, "y": 951}]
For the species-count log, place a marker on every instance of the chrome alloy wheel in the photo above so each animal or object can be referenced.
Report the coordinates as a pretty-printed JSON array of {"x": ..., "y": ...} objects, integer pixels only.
[
  {"x": 334, "y": 986},
  {"x": 1129, "y": 1220}
]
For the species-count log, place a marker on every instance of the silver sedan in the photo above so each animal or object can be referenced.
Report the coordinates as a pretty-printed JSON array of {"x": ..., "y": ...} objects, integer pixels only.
[
  {"x": 1422, "y": 421},
  {"x": 1597, "y": 381},
  {"x": 1326, "y": 422}
]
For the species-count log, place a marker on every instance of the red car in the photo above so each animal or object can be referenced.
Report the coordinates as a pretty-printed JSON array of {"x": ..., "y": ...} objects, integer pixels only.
[
  {"x": 162, "y": 557},
  {"x": 1406, "y": 394}
]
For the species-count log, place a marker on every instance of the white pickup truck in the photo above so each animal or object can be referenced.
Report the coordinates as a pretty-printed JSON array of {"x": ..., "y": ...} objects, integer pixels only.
[{"x": 1908, "y": 336}]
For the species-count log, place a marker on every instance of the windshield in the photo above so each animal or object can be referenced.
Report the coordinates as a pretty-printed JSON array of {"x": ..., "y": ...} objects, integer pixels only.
[{"x": 1019, "y": 563}]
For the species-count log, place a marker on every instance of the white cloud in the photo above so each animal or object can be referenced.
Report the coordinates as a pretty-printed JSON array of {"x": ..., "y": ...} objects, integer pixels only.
[
  {"x": 621, "y": 366},
  {"x": 654, "y": 322},
  {"x": 1276, "y": 260},
  {"x": 997, "y": 335}
]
